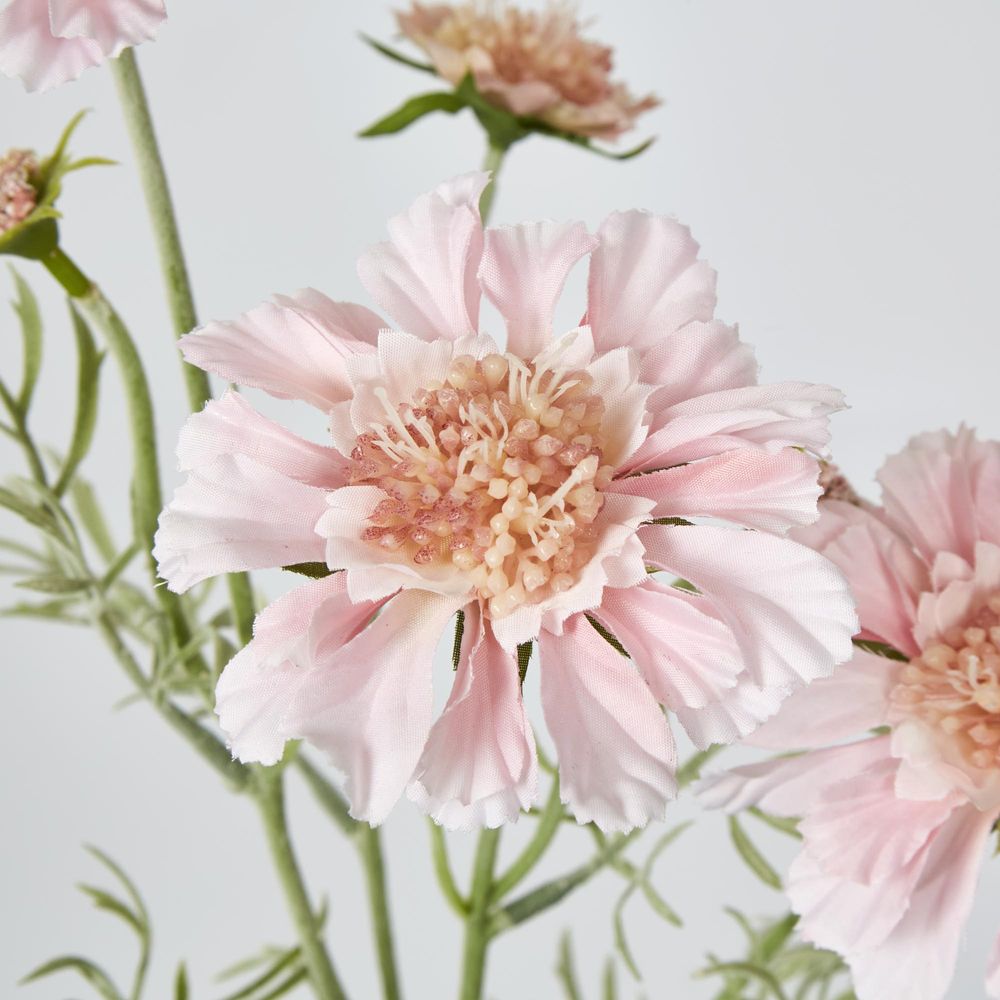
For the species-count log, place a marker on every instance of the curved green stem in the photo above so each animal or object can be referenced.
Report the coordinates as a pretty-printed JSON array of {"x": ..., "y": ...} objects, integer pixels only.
[
  {"x": 477, "y": 922},
  {"x": 548, "y": 825},
  {"x": 492, "y": 162},
  {"x": 370, "y": 846},
  {"x": 442, "y": 869},
  {"x": 269, "y": 793}
]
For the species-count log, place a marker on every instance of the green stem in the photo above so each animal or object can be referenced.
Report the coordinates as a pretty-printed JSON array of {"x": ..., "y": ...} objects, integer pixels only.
[
  {"x": 442, "y": 869},
  {"x": 548, "y": 825},
  {"x": 477, "y": 922},
  {"x": 180, "y": 299},
  {"x": 492, "y": 162},
  {"x": 270, "y": 797},
  {"x": 326, "y": 795},
  {"x": 370, "y": 846}
]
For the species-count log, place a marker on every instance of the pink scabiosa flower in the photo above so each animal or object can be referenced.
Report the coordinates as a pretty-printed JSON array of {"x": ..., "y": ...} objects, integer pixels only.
[
  {"x": 48, "y": 42},
  {"x": 531, "y": 63},
  {"x": 518, "y": 485},
  {"x": 895, "y": 825}
]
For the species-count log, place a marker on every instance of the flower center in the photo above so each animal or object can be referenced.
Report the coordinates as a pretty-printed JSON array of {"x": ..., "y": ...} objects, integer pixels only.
[
  {"x": 497, "y": 471},
  {"x": 17, "y": 195},
  {"x": 954, "y": 684}
]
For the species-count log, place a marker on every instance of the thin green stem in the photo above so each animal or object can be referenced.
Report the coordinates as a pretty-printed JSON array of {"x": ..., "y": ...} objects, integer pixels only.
[
  {"x": 442, "y": 869},
  {"x": 139, "y": 122},
  {"x": 492, "y": 162},
  {"x": 477, "y": 922},
  {"x": 326, "y": 795},
  {"x": 370, "y": 846},
  {"x": 269, "y": 794},
  {"x": 548, "y": 825}
]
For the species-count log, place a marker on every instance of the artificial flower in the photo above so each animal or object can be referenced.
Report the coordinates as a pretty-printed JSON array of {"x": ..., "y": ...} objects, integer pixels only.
[
  {"x": 521, "y": 486},
  {"x": 895, "y": 824},
  {"x": 48, "y": 42},
  {"x": 534, "y": 64}
]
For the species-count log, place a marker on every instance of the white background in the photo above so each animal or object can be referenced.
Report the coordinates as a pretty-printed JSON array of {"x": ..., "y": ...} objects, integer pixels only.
[{"x": 839, "y": 163}]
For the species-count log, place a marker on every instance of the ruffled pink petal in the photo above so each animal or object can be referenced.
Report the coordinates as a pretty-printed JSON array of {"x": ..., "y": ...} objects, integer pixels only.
[
  {"x": 369, "y": 703},
  {"x": 235, "y": 514},
  {"x": 373, "y": 572},
  {"x": 523, "y": 271},
  {"x": 687, "y": 655},
  {"x": 737, "y": 712},
  {"x": 789, "y": 786},
  {"x": 30, "y": 51},
  {"x": 113, "y": 24},
  {"x": 697, "y": 359},
  {"x": 479, "y": 767},
  {"x": 993, "y": 972},
  {"x": 258, "y": 684},
  {"x": 645, "y": 281},
  {"x": 853, "y": 699},
  {"x": 749, "y": 487},
  {"x": 943, "y": 492},
  {"x": 860, "y": 830},
  {"x": 616, "y": 755},
  {"x": 231, "y": 426},
  {"x": 789, "y": 608},
  {"x": 616, "y": 381},
  {"x": 425, "y": 275},
  {"x": 787, "y": 414},
  {"x": 916, "y": 961},
  {"x": 885, "y": 575},
  {"x": 294, "y": 347}
]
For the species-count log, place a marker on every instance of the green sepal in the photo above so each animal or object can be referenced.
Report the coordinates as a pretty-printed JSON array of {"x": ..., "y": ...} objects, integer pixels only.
[
  {"x": 314, "y": 570},
  {"x": 413, "y": 110},
  {"x": 395, "y": 55}
]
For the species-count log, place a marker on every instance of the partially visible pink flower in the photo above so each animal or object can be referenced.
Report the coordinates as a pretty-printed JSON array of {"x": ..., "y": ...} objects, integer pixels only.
[
  {"x": 519, "y": 486},
  {"x": 895, "y": 826},
  {"x": 18, "y": 195},
  {"x": 530, "y": 62},
  {"x": 48, "y": 42}
]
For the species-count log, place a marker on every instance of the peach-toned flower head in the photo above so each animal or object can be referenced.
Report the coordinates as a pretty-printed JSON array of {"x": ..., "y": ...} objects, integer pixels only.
[
  {"x": 538, "y": 487},
  {"x": 18, "y": 196},
  {"x": 532, "y": 63},
  {"x": 895, "y": 825},
  {"x": 48, "y": 42}
]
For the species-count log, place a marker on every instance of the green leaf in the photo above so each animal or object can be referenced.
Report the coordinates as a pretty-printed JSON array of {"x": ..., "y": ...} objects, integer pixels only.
[
  {"x": 111, "y": 904},
  {"x": 56, "y": 610},
  {"x": 181, "y": 991},
  {"x": 757, "y": 972},
  {"x": 53, "y": 583},
  {"x": 676, "y": 522},
  {"x": 283, "y": 961},
  {"x": 608, "y": 636},
  {"x": 397, "y": 56},
  {"x": 775, "y": 938},
  {"x": 566, "y": 969},
  {"x": 89, "y": 512},
  {"x": 128, "y": 885},
  {"x": 690, "y": 770},
  {"x": 881, "y": 649},
  {"x": 38, "y": 516},
  {"x": 87, "y": 383},
  {"x": 92, "y": 974},
  {"x": 413, "y": 110},
  {"x": 788, "y": 825},
  {"x": 26, "y": 307},
  {"x": 502, "y": 127},
  {"x": 755, "y": 861},
  {"x": 456, "y": 647},
  {"x": 523, "y": 659},
  {"x": 314, "y": 570}
]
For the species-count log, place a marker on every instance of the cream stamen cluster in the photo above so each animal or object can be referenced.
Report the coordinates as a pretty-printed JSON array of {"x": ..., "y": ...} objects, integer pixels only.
[
  {"x": 954, "y": 684},
  {"x": 17, "y": 194},
  {"x": 497, "y": 471}
]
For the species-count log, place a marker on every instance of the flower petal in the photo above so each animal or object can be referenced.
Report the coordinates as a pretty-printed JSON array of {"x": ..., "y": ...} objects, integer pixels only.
[
  {"x": 294, "y": 347},
  {"x": 523, "y": 271},
  {"x": 789, "y": 608},
  {"x": 113, "y": 24},
  {"x": 787, "y": 414},
  {"x": 30, "y": 51},
  {"x": 368, "y": 704},
  {"x": 479, "y": 767},
  {"x": 258, "y": 684},
  {"x": 942, "y": 492},
  {"x": 752, "y": 488},
  {"x": 236, "y": 514},
  {"x": 615, "y": 376},
  {"x": 616, "y": 754},
  {"x": 645, "y": 281},
  {"x": 231, "y": 426},
  {"x": 425, "y": 275},
  {"x": 853, "y": 699}
]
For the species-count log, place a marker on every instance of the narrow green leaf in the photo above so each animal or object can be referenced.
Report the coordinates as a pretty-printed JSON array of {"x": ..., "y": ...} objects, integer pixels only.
[
  {"x": 757, "y": 972},
  {"x": 621, "y": 939},
  {"x": 128, "y": 885},
  {"x": 775, "y": 938},
  {"x": 181, "y": 991},
  {"x": 609, "y": 637},
  {"x": 56, "y": 610},
  {"x": 111, "y": 904},
  {"x": 395, "y": 55},
  {"x": 286, "y": 986},
  {"x": 566, "y": 969},
  {"x": 314, "y": 570},
  {"x": 92, "y": 974},
  {"x": 676, "y": 522},
  {"x": 26, "y": 307},
  {"x": 523, "y": 659},
  {"x": 755, "y": 861},
  {"x": 788, "y": 825},
  {"x": 413, "y": 110},
  {"x": 880, "y": 649},
  {"x": 87, "y": 384},
  {"x": 89, "y": 512},
  {"x": 283, "y": 961},
  {"x": 456, "y": 647},
  {"x": 690, "y": 770},
  {"x": 54, "y": 583}
]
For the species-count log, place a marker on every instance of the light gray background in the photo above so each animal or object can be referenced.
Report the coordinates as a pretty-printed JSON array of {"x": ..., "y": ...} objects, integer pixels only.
[{"x": 839, "y": 163}]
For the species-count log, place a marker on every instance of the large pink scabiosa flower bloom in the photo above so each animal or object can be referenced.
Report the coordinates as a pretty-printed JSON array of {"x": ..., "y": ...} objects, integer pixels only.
[
  {"x": 895, "y": 825},
  {"x": 48, "y": 42},
  {"x": 531, "y": 63},
  {"x": 517, "y": 485}
]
